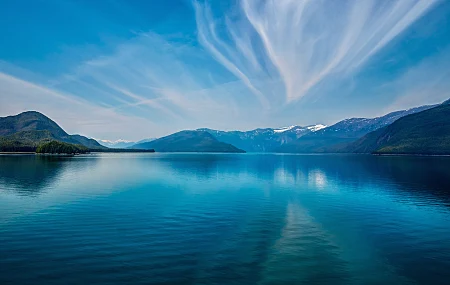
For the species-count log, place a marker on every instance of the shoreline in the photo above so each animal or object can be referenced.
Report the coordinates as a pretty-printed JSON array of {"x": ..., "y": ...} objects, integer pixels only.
[
  {"x": 276, "y": 153},
  {"x": 16, "y": 152},
  {"x": 407, "y": 154}
]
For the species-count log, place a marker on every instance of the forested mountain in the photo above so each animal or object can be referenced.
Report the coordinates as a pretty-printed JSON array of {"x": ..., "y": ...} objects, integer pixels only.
[
  {"x": 56, "y": 147},
  {"x": 424, "y": 130},
  {"x": 27, "y": 130},
  {"x": 427, "y": 132},
  {"x": 337, "y": 136},
  {"x": 188, "y": 141}
]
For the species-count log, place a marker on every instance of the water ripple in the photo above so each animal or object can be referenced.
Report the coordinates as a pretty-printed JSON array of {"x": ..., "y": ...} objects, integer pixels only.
[{"x": 224, "y": 219}]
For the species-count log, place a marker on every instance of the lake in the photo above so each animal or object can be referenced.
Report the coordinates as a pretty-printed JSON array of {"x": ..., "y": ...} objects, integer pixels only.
[{"x": 224, "y": 219}]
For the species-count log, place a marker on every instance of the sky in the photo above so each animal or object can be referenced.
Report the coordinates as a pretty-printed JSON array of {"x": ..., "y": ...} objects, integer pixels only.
[{"x": 118, "y": 69}]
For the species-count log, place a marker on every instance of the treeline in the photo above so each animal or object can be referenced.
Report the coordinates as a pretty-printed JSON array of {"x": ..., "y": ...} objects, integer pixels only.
[
  {"x": 117, "y": 150},
  {"x": 15, "y": 146},
  {"x": 56, "y": 147}
]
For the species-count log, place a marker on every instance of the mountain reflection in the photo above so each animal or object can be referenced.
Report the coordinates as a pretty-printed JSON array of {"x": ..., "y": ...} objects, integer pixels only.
[
  {"x": 30, "y": 174},
  {"x": 424, "y": 176},
  {"x": 415, "y": 175},
  {"x": 227, "y": 218}
]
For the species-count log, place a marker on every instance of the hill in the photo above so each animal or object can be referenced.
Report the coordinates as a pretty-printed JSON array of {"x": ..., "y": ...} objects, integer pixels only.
[
  {"x": 336, "y": 137},
  {"x": 188, "y": 141},
  {"x": 27, "y": 130},
  {"x": 56, "y": 147},
  {"x": 426, "y": 132}
]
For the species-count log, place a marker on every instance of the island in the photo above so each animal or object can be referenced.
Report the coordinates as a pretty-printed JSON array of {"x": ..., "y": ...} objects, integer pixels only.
[{"x": 57, "y": 147}]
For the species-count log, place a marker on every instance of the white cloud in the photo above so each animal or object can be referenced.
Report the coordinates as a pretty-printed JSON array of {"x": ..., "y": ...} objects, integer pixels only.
[
  {"x": 303, "y": 42},
  {"x": 425, "y": 83},
  {"x": 255, "y": 62},
  {"x": 75, "y": 115},
  {"x": 148, "y": 77},
  {"x": 167, "y": 80}
]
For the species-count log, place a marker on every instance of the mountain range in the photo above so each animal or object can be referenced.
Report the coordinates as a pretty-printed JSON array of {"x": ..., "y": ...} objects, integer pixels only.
[
  {"x": 263, "y": 140},
  {"x": 336, "y": 137},
  {"x": 426, "y": 132},
  {"x": 121, "y": 143},
  {"x": 421, "y": 130},
  {"x": 354, "y": 135}
]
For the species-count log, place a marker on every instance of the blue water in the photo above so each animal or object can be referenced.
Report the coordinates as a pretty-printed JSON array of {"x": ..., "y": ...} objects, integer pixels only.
[{"x": 224, "y": 219}]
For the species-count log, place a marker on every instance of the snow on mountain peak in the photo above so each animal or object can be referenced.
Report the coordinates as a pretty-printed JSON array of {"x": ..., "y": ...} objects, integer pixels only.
[
  {"x": 315, "y": 128},
  {"x": 113, "y": 142},
  {"x": 281, "y": 130},
  {"x": 312, "y": 128}
]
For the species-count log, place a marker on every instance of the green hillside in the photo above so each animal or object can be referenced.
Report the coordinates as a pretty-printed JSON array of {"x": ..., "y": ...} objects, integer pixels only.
[
  {"x": 188, "y": 141},
  {"x": 334, "y": 138},
  {"x": 26, "y": 131},
  {"x": 427, "y": 132},
  {"x": 25, "y": 141},
  {"x": 56, "y": 147}
]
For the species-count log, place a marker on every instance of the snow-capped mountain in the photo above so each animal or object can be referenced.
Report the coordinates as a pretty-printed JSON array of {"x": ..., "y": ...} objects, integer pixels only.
[
  {"x": 332, "y": 138},
  {"x": 299, "y": 129},
  {"x": 263, "y": 140},
  {"x": 120, "y": 143},
  {"x": 281, "y": 130},
  {"x": 357, "y": 127},
  {"x": 316, "y": 128}
]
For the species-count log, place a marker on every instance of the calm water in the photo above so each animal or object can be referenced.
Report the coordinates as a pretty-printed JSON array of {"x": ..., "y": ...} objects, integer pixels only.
[{"x": 224, "y": 219}]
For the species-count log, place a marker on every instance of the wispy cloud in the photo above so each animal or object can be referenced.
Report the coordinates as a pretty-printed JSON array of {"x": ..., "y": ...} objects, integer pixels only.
[
  {"x": 228, "y": 55},
  {"x": 302, "y": 42},
  {"x": 151, "y": 79},
  {"x": 259, "y": 63},
  {"x": 148, "y": 71},
  {"x": 425, "y": 83},
  {"x": 74, "y": 114}
]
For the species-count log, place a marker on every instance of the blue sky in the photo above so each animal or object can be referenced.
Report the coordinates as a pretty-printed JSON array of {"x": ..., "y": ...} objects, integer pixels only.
[{"x": 114, "y": 69}]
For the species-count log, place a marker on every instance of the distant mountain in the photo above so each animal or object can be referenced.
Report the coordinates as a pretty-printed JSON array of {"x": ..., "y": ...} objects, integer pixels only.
[
  {"x": 145, "y": 140},
  {"x": 188, "y": 141},
  {"x": 29, "y": 129},
  {"x": 87, "y": 142},
  {"x": 120, "y": 143},
  {"x": 263, "y": 140},
  {"x": 426, "y": 132},
  {"x": 116, "y": 144},
  {"x": 334, "y": 138}
]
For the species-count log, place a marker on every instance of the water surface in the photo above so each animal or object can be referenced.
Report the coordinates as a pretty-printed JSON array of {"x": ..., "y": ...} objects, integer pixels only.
[{"x": 224, "y": 219}]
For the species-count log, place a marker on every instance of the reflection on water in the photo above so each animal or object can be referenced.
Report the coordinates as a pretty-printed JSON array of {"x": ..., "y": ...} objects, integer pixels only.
[
  {"x": 224, "y": 219},
  {"x": 28, "y": 174}
]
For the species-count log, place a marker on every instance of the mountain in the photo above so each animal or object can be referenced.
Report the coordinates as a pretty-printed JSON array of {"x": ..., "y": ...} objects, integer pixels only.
[
  {"x": 120, "y": 143},
  {"x": 145, "y": 140},
  {"x": 262, "y": 140},
  {"x": 56, "y": 147},
  {"x": 87, "y": 142},
  {"x": 336, "y": 137},
  {"x": 29, "y": 129},
  {"x": 188, "y": 141},
  {"x": 29, "y": 121},
  {"x": 426, "y": 132},
  {"x": 116, "y": 144}
]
